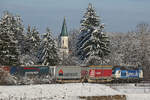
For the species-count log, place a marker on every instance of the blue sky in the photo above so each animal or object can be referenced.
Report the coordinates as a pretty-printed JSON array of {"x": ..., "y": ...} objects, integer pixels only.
[{"x": 118, "y": 15}]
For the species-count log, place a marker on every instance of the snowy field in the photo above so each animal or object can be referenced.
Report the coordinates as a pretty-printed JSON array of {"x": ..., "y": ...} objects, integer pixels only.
[
  {"x": 133, "y": 92},
  {"x": 71, "y": 91}
]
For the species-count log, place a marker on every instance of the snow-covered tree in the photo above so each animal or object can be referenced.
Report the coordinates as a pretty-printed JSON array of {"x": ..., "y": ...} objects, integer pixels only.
[
  {"x": 143, "y": 35},
  {"x": 116, "y": 43},
  {"x": 93, "y": 44},
  {"x": 33, "y": 38},
  {"x": 9, "y": 50},
  {"x": 30, "y": 46},
  {"x": 73, "y": 37},
  {"x": 130, "y": 49},
  {"x": 48, "y": 52},
  {"x": 19, "y": 33}
]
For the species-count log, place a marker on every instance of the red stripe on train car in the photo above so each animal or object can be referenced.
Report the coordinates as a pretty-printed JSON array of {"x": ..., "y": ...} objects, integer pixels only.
[{"x": 26, "y": 68}]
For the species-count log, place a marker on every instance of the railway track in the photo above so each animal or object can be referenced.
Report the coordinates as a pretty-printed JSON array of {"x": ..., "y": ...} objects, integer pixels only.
[{"x": 141, "y": 84}]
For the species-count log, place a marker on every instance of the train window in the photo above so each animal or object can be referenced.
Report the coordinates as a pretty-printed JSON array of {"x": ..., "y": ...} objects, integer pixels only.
[{"x": 123, "y": 74}]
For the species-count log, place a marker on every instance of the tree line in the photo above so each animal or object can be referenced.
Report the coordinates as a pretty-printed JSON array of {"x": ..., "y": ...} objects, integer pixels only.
[{"x": 20, "y": 46}]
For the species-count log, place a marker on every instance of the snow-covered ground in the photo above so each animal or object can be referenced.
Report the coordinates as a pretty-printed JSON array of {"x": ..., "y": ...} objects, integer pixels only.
[
  {"x": 56, "y": 91},
  {"x": 133, "y": 92},
  {"x": 71, "y": 91}
]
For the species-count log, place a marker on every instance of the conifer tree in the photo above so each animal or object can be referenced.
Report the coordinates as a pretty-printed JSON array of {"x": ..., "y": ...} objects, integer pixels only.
[
  {"x": 48, "y": 52},
  {"x": 34, "y": 39},
  {"x": 19, "y": 33},
  {"x": 28, "y": 40},
  {"x": 31, "y": 45},
  {"x": 9, "y": 51},
  {"x": 92, "y": 45}
]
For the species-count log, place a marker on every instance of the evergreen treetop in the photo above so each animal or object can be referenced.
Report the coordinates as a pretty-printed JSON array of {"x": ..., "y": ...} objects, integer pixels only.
[
  {"x": 90, "y": 19},
  {"x": 92, "y": 43},
  {"x": 48, "y": 52}
]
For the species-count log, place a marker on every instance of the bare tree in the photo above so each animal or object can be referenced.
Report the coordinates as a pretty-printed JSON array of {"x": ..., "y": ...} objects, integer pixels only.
[{"x": 143, "y": 35}]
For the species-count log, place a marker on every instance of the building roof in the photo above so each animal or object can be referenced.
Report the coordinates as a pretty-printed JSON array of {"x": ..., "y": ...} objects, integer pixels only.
[{"x": 64, "y": 29}]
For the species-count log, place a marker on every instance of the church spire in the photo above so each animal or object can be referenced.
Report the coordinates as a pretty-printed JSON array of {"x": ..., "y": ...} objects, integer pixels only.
[{"x": 64, "y": 29}]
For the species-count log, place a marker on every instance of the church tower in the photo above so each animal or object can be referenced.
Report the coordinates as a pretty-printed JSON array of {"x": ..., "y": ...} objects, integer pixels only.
[{"x": 63, "y": 39}]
